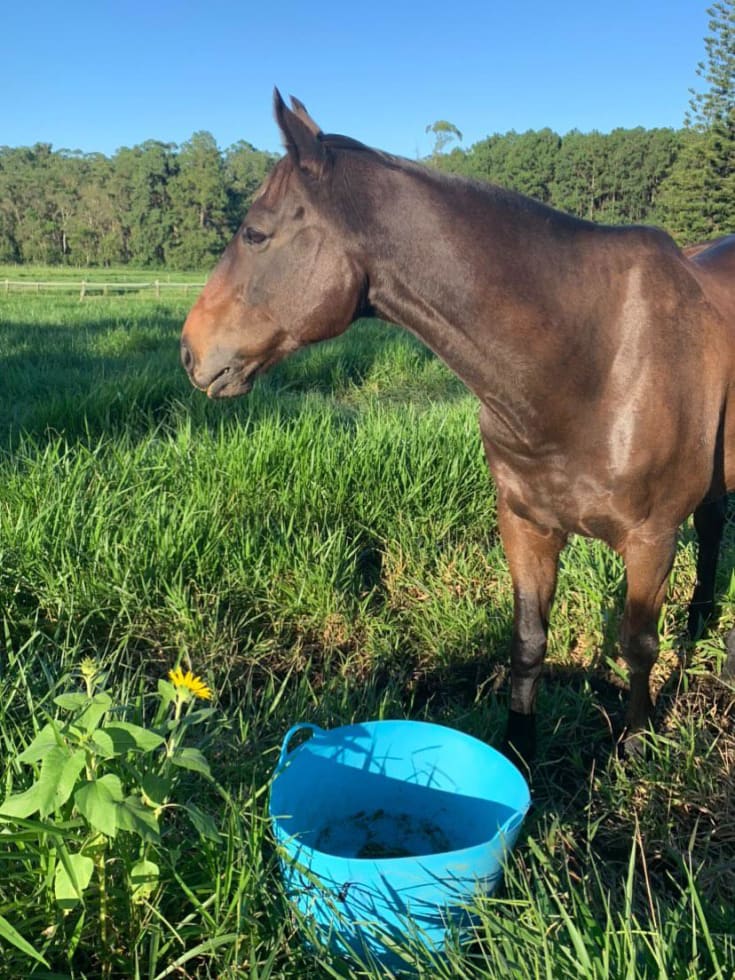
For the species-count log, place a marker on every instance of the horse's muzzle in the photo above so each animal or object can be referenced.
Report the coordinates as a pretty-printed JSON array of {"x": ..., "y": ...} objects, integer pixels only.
[{"x": 225, "y": 380}]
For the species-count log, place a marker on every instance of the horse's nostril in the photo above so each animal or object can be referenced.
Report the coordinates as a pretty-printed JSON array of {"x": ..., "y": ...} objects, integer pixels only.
[{"x": 187, "y": 358}]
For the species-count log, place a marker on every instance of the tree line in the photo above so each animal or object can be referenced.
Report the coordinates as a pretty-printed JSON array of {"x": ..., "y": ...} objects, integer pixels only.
[
  {"x": 159, "y": 204},
  {"x": 628, "y": 176},
  {"x": 151, "y": 205}
]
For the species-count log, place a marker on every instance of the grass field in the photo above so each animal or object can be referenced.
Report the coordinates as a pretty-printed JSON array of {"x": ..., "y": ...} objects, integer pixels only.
[{"x": 324, "y": 550}]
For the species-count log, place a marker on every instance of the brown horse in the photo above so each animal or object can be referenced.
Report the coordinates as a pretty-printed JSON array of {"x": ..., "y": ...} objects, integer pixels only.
[
  {"x": 726, "y": 241},
  {"x": 715, "y": 260},
  {"x": 603, "y": 360}
]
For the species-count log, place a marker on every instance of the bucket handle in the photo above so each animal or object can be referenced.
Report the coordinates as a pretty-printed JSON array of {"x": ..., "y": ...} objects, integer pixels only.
[
  {"x": 514, "y": 821},
  {"x": 300, "y": 726}
]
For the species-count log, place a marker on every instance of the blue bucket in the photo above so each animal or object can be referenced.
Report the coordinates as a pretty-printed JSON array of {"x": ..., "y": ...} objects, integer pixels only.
[{"x": 387, "y": 830}]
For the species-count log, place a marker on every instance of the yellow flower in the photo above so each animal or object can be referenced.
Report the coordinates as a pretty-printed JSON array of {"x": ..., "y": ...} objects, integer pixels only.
[{"x": 189, "y": 682}]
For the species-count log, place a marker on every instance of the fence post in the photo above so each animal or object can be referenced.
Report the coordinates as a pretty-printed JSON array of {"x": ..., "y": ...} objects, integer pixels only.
[
  {"x": 7, "y": 286},
  {"x": 158, "y": 289},
  {"x": 83, "y": 290}
]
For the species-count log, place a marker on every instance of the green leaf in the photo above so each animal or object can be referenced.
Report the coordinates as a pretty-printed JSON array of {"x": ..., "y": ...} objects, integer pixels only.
[
  {"x": 46, "y": 739},
  {"x": 97, "y": 800},
  {"x": 67, "y": 892},
  {"x": 167, "y": 693},
  {"x": 11, "y": 935},
  {"x": 63, "y": 769},
  {"x": 104, "y": 744},
  {"x": 198, "y": 716},
  {"x": 156, "y": 789},
  {"x": 59, "y": 772},
  {"x": 133, "y": 737},
  {"x": 135, "y": 816},
  {"x": 22, "y": 804},
  {"x": 71, "y": 702},
  {"x": 144, "y": 879},
  {"x": 74, "y": 935},
  {"x": 96, "y": 708},
  {"x": 203, "y": 823},
  {"x": 191, "y": 759}
]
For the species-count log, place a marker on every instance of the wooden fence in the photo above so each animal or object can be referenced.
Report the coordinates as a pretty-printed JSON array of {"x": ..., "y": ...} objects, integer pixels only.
[{"x": 88, "y": 287}]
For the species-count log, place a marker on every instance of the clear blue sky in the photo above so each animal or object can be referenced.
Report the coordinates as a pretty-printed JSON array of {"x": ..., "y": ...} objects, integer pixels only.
[{"x": 99, "y": 75}]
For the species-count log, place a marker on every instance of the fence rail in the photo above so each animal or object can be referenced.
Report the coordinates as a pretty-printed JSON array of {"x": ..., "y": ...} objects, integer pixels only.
[{"x": 90, "y": 286}]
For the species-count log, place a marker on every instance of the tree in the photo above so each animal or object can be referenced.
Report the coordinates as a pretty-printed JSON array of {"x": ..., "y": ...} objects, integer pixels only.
[
  {"x": 245, "y": 170},
  {"x": 523, "y": 162},
  {"x": 198, "y": 195},
  {"x": 95, "y": 230},
  {"x": 715, "y": 105},
  {"x": 681, "y": 205},
  {"x": 582, "y": 177},
  {"x": 9, "y": 205},
  {"x": 36, "y": 230},
  {"x": 444, "y": 132},
  {"x": 139, "y": 188},
  {"x": 713, "y": 116},
  {"x": 637, "y": 161}
]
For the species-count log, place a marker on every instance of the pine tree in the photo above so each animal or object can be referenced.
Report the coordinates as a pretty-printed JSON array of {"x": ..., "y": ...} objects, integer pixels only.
[{"x": 713, "y": 114}]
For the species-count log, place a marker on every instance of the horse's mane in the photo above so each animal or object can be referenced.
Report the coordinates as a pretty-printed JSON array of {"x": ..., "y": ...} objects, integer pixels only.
[
  {"x": 335, "y": 141},
  {"x": 440, "y": 178},
  {"x": 345, "y": 146}
]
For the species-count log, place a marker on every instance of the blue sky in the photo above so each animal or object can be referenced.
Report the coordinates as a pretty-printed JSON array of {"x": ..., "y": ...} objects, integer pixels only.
[{"x": 97, "y": 76}]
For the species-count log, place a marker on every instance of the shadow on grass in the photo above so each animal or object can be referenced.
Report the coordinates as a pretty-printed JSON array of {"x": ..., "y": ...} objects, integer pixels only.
[{"x": 103, "y": 377}]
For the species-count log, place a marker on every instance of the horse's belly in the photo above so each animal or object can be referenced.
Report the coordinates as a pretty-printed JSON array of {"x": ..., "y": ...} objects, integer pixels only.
[{"x": 573, "y": 501}]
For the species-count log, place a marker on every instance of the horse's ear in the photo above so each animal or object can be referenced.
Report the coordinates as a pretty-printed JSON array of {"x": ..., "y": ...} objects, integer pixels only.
[
  {"x": 300, "y": 110},
  {"x": 301, "y": 137}
]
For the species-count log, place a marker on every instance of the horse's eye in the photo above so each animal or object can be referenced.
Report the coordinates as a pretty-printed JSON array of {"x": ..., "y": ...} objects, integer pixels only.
[{"x": 254, "y": 237}]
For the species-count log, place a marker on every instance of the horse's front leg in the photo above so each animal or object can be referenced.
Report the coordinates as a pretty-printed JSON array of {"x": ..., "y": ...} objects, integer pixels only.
[
  {"x": 533, "y": 557},
  {"x": 648, "y": 560},
  {"x": 709, "y": 523}
]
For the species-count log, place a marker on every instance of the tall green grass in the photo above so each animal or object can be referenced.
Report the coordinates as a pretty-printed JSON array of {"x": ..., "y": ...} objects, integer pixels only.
[{"x": 326, "y": 550}]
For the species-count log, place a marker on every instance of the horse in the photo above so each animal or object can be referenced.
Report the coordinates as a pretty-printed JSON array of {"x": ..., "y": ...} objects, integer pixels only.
[
  {"x": 602, "y": 358},
  {"x": 725, "y": 241},
  {"x": 716, "y": 260}
]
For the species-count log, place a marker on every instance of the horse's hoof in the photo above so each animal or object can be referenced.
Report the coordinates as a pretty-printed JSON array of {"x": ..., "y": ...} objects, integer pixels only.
[
  {"x": 633, "y": 744},
  {"x": 520, "y": 739}
]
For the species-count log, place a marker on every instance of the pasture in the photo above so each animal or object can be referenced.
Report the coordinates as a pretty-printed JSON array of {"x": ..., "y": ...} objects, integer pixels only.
[{"x": 323, "y": 550}]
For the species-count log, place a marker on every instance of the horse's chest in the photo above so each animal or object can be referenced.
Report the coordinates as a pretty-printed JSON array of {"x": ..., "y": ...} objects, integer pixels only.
[{"x": 558, "y": 495}]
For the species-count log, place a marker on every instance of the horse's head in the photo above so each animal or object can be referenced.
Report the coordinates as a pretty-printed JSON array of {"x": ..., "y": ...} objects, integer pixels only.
[{"x": 286, "y": 279}]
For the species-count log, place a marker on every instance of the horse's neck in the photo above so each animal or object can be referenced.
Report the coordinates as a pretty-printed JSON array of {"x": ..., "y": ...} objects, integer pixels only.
[{"x": 469, "y": 277}]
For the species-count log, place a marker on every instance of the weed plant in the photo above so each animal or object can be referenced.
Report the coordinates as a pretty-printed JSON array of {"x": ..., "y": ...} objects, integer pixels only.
[{"x": 325, "y": 550}]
